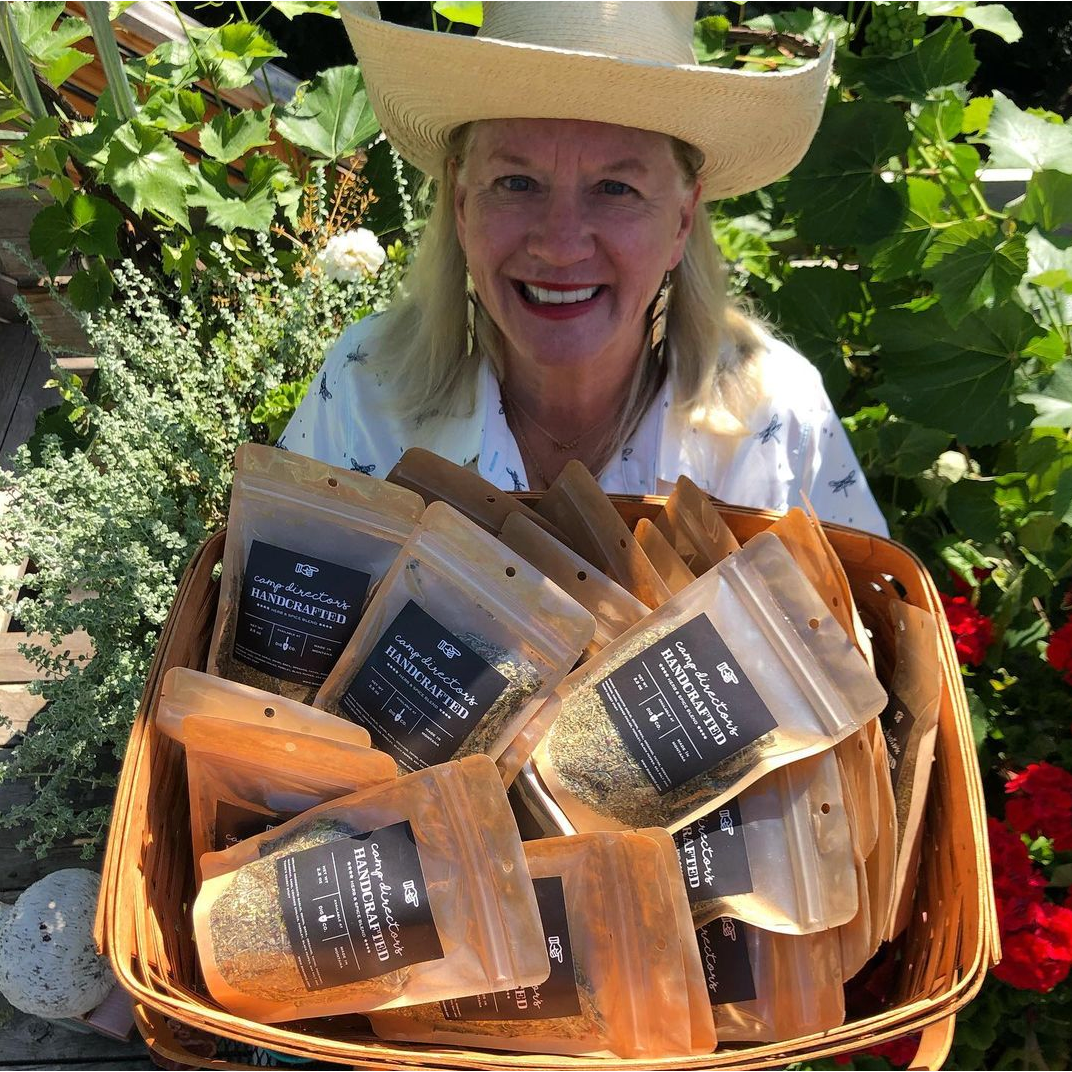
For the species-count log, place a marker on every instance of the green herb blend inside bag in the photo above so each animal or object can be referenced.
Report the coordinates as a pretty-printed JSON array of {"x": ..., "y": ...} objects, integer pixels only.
[{"x": 461, "y": 643}]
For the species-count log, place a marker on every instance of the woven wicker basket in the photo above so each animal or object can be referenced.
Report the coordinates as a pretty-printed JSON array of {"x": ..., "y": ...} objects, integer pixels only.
[{"x": 143, "y": 920}]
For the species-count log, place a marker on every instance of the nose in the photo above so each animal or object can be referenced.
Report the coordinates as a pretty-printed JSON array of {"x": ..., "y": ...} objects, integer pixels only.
[{"x": 562, "y": 235}]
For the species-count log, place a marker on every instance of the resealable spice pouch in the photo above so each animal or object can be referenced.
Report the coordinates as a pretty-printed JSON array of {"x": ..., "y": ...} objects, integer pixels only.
[
  {"x": 436, "y": 479},
  {"x": 777, "y": 855},
  {"x": 579, "y": 507},
  {"x": 740, "y": 673},
  {"x": 617, "y": 985},
  {"x": 245, "y": 779},
  {"x": 613, "y": 608},
  {"x": 694, "y": 528},
  {"x": 767, "y": 987},
  {"x": 188, "y": 692},
  {"x": 306, "y": 542},
  {"x": 413, "y": 891},
  {"x": 459, "y": 646},
  {"x": 667, "y": 562}
]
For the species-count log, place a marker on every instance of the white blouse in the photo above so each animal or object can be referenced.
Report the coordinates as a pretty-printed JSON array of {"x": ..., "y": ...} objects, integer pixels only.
[{"x": 794, "y": 443}]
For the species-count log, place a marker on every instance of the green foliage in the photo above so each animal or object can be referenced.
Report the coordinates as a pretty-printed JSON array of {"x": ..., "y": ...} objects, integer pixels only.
[{"x": 161, "y": 205}]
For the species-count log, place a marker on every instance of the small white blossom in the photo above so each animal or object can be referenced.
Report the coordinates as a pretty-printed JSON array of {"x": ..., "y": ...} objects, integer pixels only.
[{"x": 351, "y": 256}]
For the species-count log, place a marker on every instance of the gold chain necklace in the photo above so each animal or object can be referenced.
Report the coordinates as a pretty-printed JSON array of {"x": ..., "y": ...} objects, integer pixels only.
[{"x": 561, "y": 446}]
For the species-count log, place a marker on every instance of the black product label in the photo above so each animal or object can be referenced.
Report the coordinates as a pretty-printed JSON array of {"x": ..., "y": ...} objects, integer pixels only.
[
  {"x": 357, "y": 907},
  {"x": 897, "y": 722},
  {"x": 421, "y": 691},
  {"x": 296, "y": 613},
  {"x": 550, "y": 1000},
  {"x": 684, "y": 705},
  {"x": 714, "y": 855},
  {"x": 235, "y": 823},
  {"x": 727, "y": 967}
]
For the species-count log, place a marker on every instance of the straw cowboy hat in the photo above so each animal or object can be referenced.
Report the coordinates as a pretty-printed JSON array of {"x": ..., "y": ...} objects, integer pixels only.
[{"x": 630, "y": 64}]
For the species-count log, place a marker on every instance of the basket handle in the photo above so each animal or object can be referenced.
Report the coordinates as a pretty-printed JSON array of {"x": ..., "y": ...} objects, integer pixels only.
[{"x": 935, "y": 1042}]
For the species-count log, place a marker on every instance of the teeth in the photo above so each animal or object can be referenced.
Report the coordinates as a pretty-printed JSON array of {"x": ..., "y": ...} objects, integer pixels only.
[{"x": 557, "y": 297}]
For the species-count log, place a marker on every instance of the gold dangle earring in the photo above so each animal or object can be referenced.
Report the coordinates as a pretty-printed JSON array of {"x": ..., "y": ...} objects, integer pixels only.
[
  {"x": 658, "y": 319},
  {"x": 470, "y": 314}
]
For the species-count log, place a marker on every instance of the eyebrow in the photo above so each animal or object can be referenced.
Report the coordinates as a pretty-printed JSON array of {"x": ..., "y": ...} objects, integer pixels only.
[{"x": 629, "y": 163}]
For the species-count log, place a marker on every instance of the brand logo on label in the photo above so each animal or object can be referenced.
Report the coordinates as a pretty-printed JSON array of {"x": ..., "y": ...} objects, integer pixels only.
[
  {"x": 306, "y": 570},
  {"x": 412, "y": 897},
  {"x": 554, "y": 948},
  {"x": 725, "y": 821},
  {"x": 448, "y": 649},
  {"x": 727, "y": 674},
  {"x": 728, "y": 929}
]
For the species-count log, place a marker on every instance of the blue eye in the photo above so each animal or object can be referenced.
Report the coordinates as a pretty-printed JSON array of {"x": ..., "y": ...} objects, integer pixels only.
[
  {"x": 516, "y": 183},
  {"x": 613, "y": 186}
]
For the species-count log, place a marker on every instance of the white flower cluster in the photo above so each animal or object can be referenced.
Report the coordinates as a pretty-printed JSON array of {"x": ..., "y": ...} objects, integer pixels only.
[{"x": 351, "y": 256}]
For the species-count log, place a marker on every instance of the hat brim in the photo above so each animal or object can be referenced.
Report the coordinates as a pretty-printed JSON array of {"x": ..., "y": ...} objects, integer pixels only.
[{"x": 752, "y": 127}]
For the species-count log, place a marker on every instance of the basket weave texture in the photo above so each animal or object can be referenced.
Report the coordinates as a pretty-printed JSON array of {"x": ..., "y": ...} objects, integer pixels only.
[{"x": 144, "y": 914}]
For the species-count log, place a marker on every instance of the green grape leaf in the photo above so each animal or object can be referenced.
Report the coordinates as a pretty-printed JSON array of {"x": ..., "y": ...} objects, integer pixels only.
[
  {"x": 996, "y": 18},
  {"x": 147, "y": 172},
  {"x": 1047, "y": 201},
  {"x": 227, "y": 208},
  {"x": 86, "y": 224},
  {"x": 709, "y": 40},
  {"x": 838, "y": 189},
  {"x": 1020, "y": 140},
  {"x": 813, "y": 308},
  {"x": 1062, "y": 497},
  {"x": 172, "y": 64},
  {"x": 90, "y": 289},
  {"x": 908, "y": 449},
  {"x": 959, "y": 380},
  {"x": 332, "y": 117},
  {"x": 230, "y": 136},
  {"x": 1053, "y": 404},
  {"x": 974, "y": 267},
  {"x": 1049, "y": 264},
  {"x": 175, "y": 110},
  {"x": 939, "y": 120},
  {"x": 902, "y": 253},
  {"x": 231, "y": 55},
  {"x": 291, "y": 9},
  {"x": 974, "y": 513},
  {"x": 812, "y": 24},
  {"x": 59, "y": 69},
  {"x": 943, "y": 58},
  {"x": 470, "y": 12},
  {"x": 976, "y": 116}
]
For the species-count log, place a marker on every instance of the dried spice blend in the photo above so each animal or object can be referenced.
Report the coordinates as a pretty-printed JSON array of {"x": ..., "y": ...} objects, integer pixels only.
[
  {"x": 413, "y": 891},
  {"x": 460, "y": 644},
  {"x": 767, "y": 987},
  {"x": 306, "y": 542},
  {"x": 776, "y": 856},
  {"x": 740, "y": 673},
  {"x": 618, "y": 984},
  {"x": 245, "y": 779}
]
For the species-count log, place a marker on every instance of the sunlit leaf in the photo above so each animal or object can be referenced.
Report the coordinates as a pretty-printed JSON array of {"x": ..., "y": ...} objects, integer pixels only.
[
  {"x": 1047, "y": 201},
  {"x": 1020, "y": 140},
  {"x": 471, "y": 12},
  {"x": 901, "y": 253},
  {"x": 291, "y": 9},
  {"x": 1054, "y": 403},
  {"x": 332, "y": 117},
  {"x": 230, "y": 136},
  {"x": 148, "y": 173}
]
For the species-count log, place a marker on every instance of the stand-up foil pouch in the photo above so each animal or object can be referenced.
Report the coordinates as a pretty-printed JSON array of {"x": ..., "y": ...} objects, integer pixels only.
[
  {"x": 694, "y": 528},
  {"x": 667, "y": 562},
  {"x": 413, "y": 891},
  {"x": 306, "y": 543},
  {"x": 460, "y": 645},
  {"x": 741, "y": 673}
]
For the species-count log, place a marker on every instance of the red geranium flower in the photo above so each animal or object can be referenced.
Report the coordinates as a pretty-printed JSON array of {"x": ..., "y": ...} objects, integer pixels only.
[
  {"x": 1015, "y": 876},
  {"x": 1042, "y": 804},
  {"x": 972, "y": 632},
  {"x": 1059, "y": 651},
  {"x": 1036, "y": 944},
  {"x": 899, "y": 1051}
]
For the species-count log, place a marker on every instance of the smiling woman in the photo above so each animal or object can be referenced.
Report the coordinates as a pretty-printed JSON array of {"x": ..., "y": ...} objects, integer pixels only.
[{"x": 567, "y": 300}]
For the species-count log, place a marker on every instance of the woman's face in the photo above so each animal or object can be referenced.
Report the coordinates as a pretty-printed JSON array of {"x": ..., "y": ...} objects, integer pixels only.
[{"x": 569, "y": 228}]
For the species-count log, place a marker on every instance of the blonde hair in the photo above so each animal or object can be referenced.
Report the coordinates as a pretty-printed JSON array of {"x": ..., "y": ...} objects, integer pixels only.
[{"x": 710, "y": 341}]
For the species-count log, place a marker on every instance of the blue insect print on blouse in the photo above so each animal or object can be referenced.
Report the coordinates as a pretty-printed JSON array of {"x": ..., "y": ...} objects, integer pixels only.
[
  {"x": 357, "y": 467},
  {"x": 843, "y": 484},
  {"x": 359, "y": 355},
  {"x": 325, "y": 394},
  {"x": 771, "y": 431},
  {"x": 518, "y": 486},
  {"x": 626, "y": 453}
]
